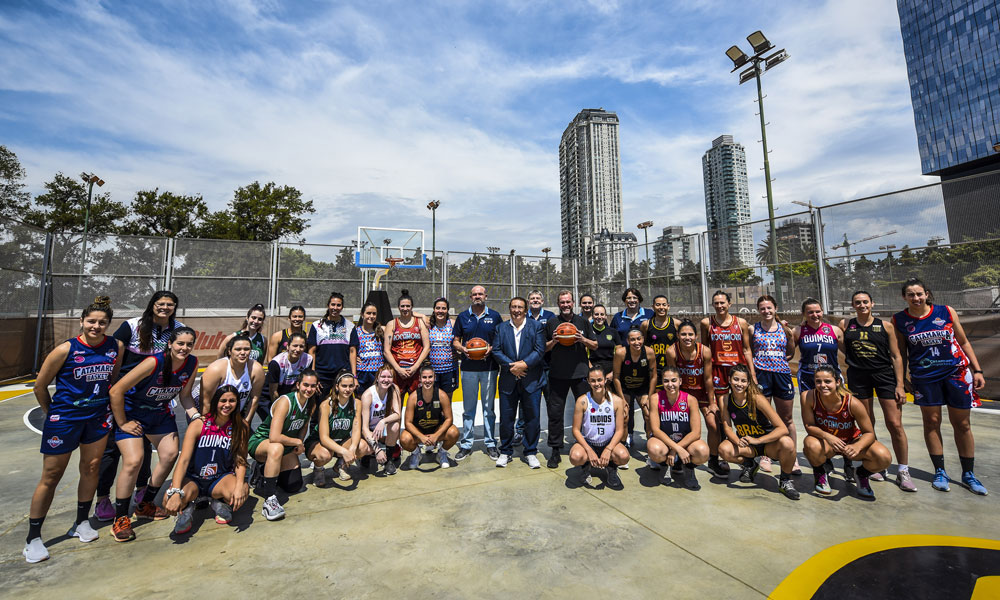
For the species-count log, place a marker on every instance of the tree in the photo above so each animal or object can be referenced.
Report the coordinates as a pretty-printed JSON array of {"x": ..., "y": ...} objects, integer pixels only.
[
  {"x": 14, "y": 199},
  {"x": 157, "y": 213},
  {"x": 260, "y": 213},
  {"x": 63, "y": 209}
]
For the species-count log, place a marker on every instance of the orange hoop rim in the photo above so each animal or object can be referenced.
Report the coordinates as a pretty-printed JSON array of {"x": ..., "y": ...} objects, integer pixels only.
[{"x": 393, "y": 261}]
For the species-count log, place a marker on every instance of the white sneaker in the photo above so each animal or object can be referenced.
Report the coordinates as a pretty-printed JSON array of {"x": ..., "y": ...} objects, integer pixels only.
[
  {"x": 319, "y": 477},
  {"x": 502, "y": 461},
  {"x": 413, "y": 461},
  {"x": 84, "y": 531},
  {"x": 533, "y": 462},
  {"x": 652, "y": 465},
  {"x": 35, "y": 551},
  {"x": 623, "y": 466},
  {"x": 342, "y": 473},
  {"x": 272, "y": 509},
  {"x": 443, "y": 459}
]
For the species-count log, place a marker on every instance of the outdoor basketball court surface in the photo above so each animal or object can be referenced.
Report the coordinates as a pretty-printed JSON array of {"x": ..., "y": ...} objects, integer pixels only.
[{"x": 475, "y": 531}]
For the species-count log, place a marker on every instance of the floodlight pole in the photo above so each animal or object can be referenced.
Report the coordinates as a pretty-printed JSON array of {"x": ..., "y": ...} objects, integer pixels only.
[
  {"x": 433, "y": 206},
  {"x": 767, "y": 179},
  {"x": 91, "y": 179},
  {"x": 644, "y": 226}
]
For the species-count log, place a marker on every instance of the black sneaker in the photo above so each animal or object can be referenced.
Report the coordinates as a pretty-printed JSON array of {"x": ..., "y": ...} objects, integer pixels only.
[
  {"x": 493, "y": 453},
  {"x": 749, "y": 470},
  {"x": 614, "y": 481},
  {"x": 788, "y": 489},
  {"x": 554, "y": 460},
  {"x": 463, "y": 453},
  {"x": 718, "y": 468},
  {"x": 849, "y": 471},
  {"x": 691, "y": 480}
]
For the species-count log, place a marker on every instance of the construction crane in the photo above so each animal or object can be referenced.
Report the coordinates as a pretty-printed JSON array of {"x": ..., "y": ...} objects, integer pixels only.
[{"x": 846, "y": 245}]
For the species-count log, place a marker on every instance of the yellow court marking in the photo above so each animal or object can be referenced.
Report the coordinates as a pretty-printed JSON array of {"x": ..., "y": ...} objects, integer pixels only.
[
  {"x": 810, "y": 575},
  {"x": 987, "y": 588},
  {"x": 7, "y": 395}
]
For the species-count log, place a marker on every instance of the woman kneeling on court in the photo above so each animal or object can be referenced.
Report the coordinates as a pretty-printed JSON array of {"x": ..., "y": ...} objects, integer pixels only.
[
  {"x": 838, "y": 423},
  {"x": 676, "y": 424},
  {"x": 337, "y": 433},
  {"x": 212, "y": 462},
  {"x": 752, "y": 429},
  {"x": 278, "y": 442},
  {"x": 428, "y": 422},
  {"x": 381, "y": 405},
  {"x": 598, "y": 427}
]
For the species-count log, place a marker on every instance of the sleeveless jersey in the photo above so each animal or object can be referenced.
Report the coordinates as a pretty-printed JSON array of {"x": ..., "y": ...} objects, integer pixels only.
[
  {"x": 379, "y": 407},
  {"x": 818, "y": 347},
  {"x": 692, "y": 372},
  {"x": 840, "y": 422},
  {"x": 285, "y": 372},
  {"x": 933, "y": 353},
  {"x": 598, "y": 421},
  {"x": 675, "y": 419},
  {"x": 727, "y": 343},
  {"x": 769, "y": 349},
  {"x": 286, "y": 338},
  {"x": 83, "y": 381},
  {"x": 128, "y": 333},
  {"x": 242, "y": 383},
  {"x": 406, "y": 344},
  {"x": 213, "y": 453},
  {"x": 441, "y": 354},
  {"x": 296, "y": 418},
  {"x": 428, "y": 416},
  {"x": 660, "y": 339},
  {"x": 635, "y": 373},
  {"x": 341, "y": 421},
  {"x": 743, "y": 423},
  {"x": 370, "y": 357},
  {"x": 867, "y": 347},
  {"x": 155, "y": 392},
  {"x": 258, "y": 346}
]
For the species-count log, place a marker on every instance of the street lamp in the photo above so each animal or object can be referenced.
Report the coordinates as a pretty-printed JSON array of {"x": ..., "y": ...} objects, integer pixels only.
[
  {"x": 889, "y": 248},
  {"x": 90, "y": 179},
  {"x": 432, "y": 206},
  {"x": 761, "y": 46},
  {"x": 546, "y": 251},
  {"x": 644, "y": 226}
]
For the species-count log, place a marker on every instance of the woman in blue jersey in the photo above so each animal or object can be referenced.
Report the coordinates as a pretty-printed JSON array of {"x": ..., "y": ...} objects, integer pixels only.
[
  {"x": 140, "y": 403},
  {"x": 212, "y": 462},
  {"x": 772, "y": 344},
  {"x": 252, "y": 327},
  {"x": 366, "y": 339},
  {"x": 818, "y": 343},
  {"x": 77, "y": 415},
  {"x": 944, "y": 370},
  {"x": 441, "y": 355}
]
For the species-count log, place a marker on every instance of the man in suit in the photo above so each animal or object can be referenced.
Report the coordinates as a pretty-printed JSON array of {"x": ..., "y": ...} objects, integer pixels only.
[{"x": 518, "y": 348}]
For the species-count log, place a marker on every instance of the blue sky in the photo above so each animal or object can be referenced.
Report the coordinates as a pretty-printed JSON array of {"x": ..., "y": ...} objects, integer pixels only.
[{"x": 372, "y": 109}]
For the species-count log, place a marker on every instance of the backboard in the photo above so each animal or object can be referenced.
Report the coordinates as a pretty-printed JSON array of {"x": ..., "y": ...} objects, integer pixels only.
[{"x": 376, "y": 245}]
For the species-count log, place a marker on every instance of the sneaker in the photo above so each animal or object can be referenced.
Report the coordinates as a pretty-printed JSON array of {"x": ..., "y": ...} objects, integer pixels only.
[
  {"x": 667, "y": 477},
  {"x": 84, "y": 531},
  {"x": 493, "y": 453},
  {"x": 35, "y": 551},
  {"x": 138, "y": 494},
  {"x": 823, "y": 484},
  {"x": 533, "y": 462},
  {"x": 105, "y": 511},
  {"x": 941, "y": 480},
  {"x": 849, "y": 476},
  {"x": 652, "y": 465},
  {"x": 788, "y": 489},
  {"x": 223, "y": 512},
  {"x": 691, "y": 480},
  {"x": 341, "y": 469},
  {"x": 585, "y": 477},
  {"x": 443, "y": 458},
  {"x": 518, "y": 439},
  {"x": 463, "y": 453},
  {"x": 272, "y": 509},
  {"x": 390, "y": 467},
  {"x": 749, "y": 470},
  {"x": 904, "y": 482},
  {"x": 502, "y": 461},
  {"x": 184, "y": 520},
  {"x": 554, "y": 460},
  {"x": 880, "y": 476},
  {"x": 121, "y": 531},
  {"x": 865, "y": 488},
  {"x": 623, "y": 467},
  {"x": 765, "y": 464},
  {"x": 148, "y": 510},
  {"x": 975, "y": 486},
  {"x": 614, "y": 481},
  {"x": 719, "y": 468},
  {"x": 413, "y": 461}
]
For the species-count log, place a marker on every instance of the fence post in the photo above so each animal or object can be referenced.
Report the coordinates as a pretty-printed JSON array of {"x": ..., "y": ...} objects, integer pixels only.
[
  {"x": 628, "y": 278},
  {"x": 703, "y": 250},
  {"x": 444, "y": 274},
  {"x": 43, "y": 289},
  {"x": 824, "y": 287},
  {"x": 513, "y": 274},
  {"x": 272, "y": 297},
  {"x": 168, "y": 264},
  {"x": 576, "y": 280}
]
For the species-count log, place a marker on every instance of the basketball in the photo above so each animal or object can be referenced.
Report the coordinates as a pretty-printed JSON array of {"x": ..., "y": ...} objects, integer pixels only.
[
  {"x": 476, "y": 348},
  {"x": 566, "y": 334}
]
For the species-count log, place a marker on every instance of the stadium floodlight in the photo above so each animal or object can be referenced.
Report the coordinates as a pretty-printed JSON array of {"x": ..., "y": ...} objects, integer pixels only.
[
  {"x": 775, "y": 59},
  {"x": 737, "y": 56},
  {"x": 748, "y": 75},
  {"x": 759, "y": 42}
]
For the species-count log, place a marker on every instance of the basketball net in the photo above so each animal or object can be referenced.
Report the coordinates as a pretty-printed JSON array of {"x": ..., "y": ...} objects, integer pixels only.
[{"x": 393, "y": 261}]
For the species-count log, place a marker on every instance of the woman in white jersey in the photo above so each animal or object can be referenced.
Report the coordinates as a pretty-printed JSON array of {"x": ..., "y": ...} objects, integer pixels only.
[
  {"x": 598, "y": 427},
  {"x": 381, "y": 408},
  {"x": 237, "y": 370}
]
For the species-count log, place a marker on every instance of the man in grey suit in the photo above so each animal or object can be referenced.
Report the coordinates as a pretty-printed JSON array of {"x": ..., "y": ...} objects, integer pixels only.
[{"x": 519, "y": 347}]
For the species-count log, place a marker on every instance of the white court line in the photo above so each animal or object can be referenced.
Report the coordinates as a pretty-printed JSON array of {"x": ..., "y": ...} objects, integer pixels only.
[{"x": 27, "y": 423}]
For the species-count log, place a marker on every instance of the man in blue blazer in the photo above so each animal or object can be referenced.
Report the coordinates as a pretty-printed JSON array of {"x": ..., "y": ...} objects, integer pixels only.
[{"x": 519, "y": 348}]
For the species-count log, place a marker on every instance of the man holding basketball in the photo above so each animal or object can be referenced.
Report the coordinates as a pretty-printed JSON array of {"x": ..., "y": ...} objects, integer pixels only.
[
  {"x": 568, "y": 366},
  {"x": 478, "y": 375}
]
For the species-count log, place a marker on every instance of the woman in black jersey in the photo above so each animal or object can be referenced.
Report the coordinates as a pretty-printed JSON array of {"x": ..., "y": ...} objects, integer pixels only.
[
  {"x": 752, "y": 429},
  {"x": 252, "y": 327},
  {"x": 874, "y": 364},
  {"x": 278, "y": 342},
  {"x": 428, "y": 422},
  {"x": 608, "y": 339},
  {"x": 660, "y": 331},
  {"x": 635, "y": 380}
]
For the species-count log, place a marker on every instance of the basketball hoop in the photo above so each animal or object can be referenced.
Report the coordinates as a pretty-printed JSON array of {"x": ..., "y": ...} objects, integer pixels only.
[{"x": 393, "y": 261}]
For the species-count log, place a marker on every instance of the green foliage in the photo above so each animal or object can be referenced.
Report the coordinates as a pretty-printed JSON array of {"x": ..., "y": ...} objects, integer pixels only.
[
  {"x": 260, "y": 213},
  {"x": 157, "y": 213},
  {"x": 14, "y": 199},
  {"x": 63, "y": 209}
]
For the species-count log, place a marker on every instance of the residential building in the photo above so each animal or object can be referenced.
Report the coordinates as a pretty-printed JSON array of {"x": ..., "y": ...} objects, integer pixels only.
[
  {"x": 727, "y": 204},
  {"x": 672, "y": 250}
]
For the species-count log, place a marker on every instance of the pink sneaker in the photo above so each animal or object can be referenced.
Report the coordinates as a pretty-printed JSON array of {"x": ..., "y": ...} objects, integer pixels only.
[{"x": 105, "y": 510}]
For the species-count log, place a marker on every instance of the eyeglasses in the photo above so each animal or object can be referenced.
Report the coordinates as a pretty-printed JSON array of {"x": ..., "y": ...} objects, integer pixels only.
[{"x": 164, "y": 305}]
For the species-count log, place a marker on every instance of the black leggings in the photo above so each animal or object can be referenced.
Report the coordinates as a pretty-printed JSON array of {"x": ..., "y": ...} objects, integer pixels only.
[{"x": 109, "y": 466}]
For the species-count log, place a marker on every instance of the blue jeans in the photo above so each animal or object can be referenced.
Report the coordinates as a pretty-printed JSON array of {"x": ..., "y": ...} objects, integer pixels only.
[
  {"x": 472, "y": 383},
  {"x": 529, "y": 405}
]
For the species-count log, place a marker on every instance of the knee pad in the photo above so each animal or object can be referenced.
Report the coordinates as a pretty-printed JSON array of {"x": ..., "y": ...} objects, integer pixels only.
[{"x": 290, "y": 481}]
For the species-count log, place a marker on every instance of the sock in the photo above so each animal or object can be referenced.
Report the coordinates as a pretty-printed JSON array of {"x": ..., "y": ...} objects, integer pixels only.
[
  {"x": 268, "y": 485},
  {"x": 713, "y": 459},
  {"x": 396, "y": 452},
  {"x": 83, "y": 510},
  {"x": 863, "y": 472},
  {"x": 820, "y": 470},
  {"x": 968, "y": 463},
  {"x": 902, "y": 468},
  {"x": 121, "y": 506},
  {"x": 937, "y": 460},
  {"x": 34, "y": 528},
  {"x": 150, "y": 494},
  {"x": 785, "y": 477},
  {"x": 689, "y": 466}
]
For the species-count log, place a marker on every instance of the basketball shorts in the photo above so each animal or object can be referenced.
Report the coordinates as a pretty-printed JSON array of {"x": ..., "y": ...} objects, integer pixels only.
[
  {"x": 60, "y": 436},
  {"x": 778, "y": 385},
  {"x": 720, "y": 378},
  {"x": 255, "y": 443},
  {"x": 206, "y": 484},
  {"x": 861, "y": 382},
  {"x": 448, "y": 381},
  {"x": 153, "y": 423},
  {"x": 700, "y": 394},
  {"x": 408, "y": 384},
  {"x": 956, "y": 391}
]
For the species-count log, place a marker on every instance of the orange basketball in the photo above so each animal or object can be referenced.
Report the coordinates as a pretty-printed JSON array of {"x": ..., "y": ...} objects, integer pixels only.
[
  {"x": 476, "y": 348},
  {"x": 566, "y": 334}
]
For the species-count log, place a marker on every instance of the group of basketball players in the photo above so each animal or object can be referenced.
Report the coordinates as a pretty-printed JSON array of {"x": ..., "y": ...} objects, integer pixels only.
[{"x": 335, "y": 392}]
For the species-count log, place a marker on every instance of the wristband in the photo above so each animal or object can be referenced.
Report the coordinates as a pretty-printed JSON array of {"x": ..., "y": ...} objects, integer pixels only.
[
  {"x": 170, "y": 492},
  {"x": 977, "y": 371}
]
